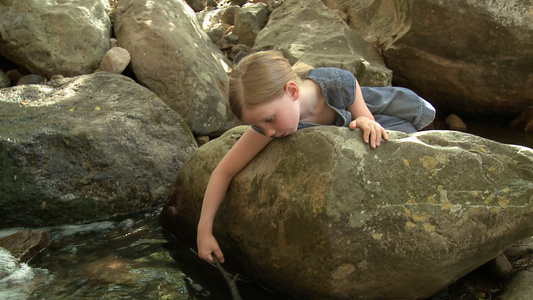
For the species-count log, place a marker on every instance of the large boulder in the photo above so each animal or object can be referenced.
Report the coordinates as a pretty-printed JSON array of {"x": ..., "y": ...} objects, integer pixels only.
[
  {"x": 470, "y": 56},
  {"x": 69, "y": 37},
  {"x": 442, "y": 39},
  {"x": 320, "y": 215},
  {"x": 86, "y": 147},
  {"x": 174, "y": 58},
  {"x": 377, "y": 21},
  {"x": 307, "y": 30}
]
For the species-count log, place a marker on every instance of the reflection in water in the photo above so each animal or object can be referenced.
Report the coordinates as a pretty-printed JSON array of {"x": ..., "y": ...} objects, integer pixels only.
[{"x": 123, "y": 258}]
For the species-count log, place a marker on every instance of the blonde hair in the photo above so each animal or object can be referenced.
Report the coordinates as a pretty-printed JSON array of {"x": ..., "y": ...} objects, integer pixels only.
[{"x": 260, "y": 78}]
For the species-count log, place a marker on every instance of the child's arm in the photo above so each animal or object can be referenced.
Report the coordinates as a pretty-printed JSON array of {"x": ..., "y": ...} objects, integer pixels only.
[
  {"x": 363, "y": 118},
  {"x": 244, "y": 150}
]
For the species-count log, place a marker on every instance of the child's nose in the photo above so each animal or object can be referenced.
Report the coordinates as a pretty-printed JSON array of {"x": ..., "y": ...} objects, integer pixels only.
[{"x": 270, "y": 132}]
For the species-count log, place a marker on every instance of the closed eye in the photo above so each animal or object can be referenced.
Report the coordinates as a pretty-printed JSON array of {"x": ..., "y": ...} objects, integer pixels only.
[{"x": 269, "y": 120}]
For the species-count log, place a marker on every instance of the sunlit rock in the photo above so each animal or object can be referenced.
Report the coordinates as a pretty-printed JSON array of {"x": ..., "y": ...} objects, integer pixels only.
[
  {"x": 320, "y": 215},
  {"x": 86, "y": 147}
]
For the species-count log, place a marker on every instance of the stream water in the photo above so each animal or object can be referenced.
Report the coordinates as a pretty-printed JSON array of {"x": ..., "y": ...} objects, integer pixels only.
[
  {"x": 127, "y": 257},
  {"x": 131, "y": 257}
]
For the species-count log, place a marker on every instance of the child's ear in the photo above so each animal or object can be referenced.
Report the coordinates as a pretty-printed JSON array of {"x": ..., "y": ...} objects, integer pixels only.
[{"x": 293, "y": 90}]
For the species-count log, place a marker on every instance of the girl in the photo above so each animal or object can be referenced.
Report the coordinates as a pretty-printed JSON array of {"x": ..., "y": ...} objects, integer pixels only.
[{"x": 277, "y": 100}]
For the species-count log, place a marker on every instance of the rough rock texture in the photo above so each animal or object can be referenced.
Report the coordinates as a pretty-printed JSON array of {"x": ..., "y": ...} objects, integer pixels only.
[
  {"x": 55, "y": 37},
  {"x": 174, "y": 58},
  {"x": 197, "y": 5},
  {"x": 520, "y": 287},
  {"x": 115, "y": 60},
  {"x": 322, "y": 216},
  {"x": 24, "y": 245},
  {"x": 380, "y": 22},
  {"x": 524, "y": 121},
  {"x": 487, "y": 72},
  {"x": 307, "y": 30},
  {"x": 86, "y": 147},
  {"x": 249, "y": 20},
  {"x": 4, "y": 80}
]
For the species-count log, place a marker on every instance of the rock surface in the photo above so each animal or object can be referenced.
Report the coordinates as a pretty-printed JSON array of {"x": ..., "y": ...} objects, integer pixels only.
[
  {"x": 174, "y": 58},
  {"x": 4, "y": 80},
  {"x": 55, "y": 37},
  {"x": 115, "y": 60},
  {"x": 306, "y": 30},
  {"x": 24, "y": 245},
  {"x": 442, "y": 38},
  {"x": 86, "y": 147},
  {"x": 321, "y": 215},
  {"x": 452, "y": 70},
  {"x": 520, "y": 287}
]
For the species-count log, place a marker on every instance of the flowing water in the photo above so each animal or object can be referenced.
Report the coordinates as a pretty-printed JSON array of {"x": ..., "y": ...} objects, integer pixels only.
[
  {"x": 131, "y": 257},
  {"x": 127, "y": 257}
]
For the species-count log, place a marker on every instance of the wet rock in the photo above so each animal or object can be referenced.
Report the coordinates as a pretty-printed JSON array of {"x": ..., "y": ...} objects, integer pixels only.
[
  {"x": 308, "y": 31},
  {"x": 25, "y": 244},
  {"x": 86, "y": 147},
  {"x": 320, "y": 215},
  {"x": 115, "y": 60},
  {"x": 55, "y": 37},
  {"x": 113, "y": 269}
]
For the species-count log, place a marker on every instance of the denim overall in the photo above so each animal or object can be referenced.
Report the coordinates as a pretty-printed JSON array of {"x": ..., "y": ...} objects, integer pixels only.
[{"x": 395, "y": 108}]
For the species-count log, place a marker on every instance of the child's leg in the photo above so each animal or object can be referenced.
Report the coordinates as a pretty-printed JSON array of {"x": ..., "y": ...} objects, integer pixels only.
[
  {"x": 400, "y": 103},
  {"x": 393, "y": 123}
]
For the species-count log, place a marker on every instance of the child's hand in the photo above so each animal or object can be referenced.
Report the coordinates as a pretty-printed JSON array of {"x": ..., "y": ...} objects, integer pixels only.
[
  {"x": 207, "y": 244},
  {"x": 372, "y": 131}
]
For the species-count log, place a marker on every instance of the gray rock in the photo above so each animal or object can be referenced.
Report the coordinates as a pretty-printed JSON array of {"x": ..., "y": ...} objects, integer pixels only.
[
  {"x": 115, "y": 60},
  {"x": 320, "y": 215},
  {"x": 379, "y": 22},
  {"x": 453, "y": 70},
  {"x": 310, "y": 32},
  {"x": 55, "y": 37},
  {"x": 520, "y": 287},
  {"x": 31, "y": 79},
  {"x": 197, "y": 5},
  {"x": 86, "y": 147},
  {"x": 25, "y": 244},
  {"x": 249, "y": 20},
  {"x": 173, "y": 57},
  {"x": 4, "y": 80}
]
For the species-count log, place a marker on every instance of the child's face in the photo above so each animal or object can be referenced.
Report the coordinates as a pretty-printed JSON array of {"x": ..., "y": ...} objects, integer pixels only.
[{"x": 277, "y": 118}]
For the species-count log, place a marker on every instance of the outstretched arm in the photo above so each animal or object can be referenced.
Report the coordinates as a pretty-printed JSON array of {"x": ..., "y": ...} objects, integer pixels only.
[
  {"x": 244, "y": 150},
  {"x": 363, "y": 118}
]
